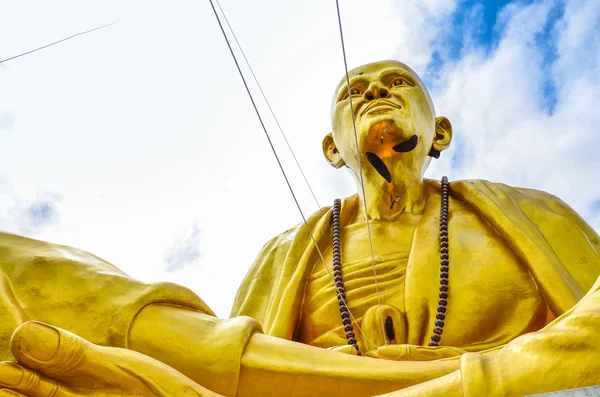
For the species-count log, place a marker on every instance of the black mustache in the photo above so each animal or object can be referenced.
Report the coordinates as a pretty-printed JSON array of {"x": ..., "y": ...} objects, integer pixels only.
[
  {"x": 379, "y": 166},
  {"x": 407, "y": 145},
  {"x": 402, "y": 147}
]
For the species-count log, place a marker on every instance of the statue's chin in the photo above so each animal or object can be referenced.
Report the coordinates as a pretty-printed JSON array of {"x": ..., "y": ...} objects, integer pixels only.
[
  {"x": 388, "y": 137},
  {"x": 386, "y": 130}
]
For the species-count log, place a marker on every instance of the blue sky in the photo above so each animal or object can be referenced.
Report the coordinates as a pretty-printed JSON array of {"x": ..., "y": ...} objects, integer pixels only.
[
  {"x": 138, "y": 142},
  {"x": 483, "y": 28},
  {"x": 481, "y": 25}
]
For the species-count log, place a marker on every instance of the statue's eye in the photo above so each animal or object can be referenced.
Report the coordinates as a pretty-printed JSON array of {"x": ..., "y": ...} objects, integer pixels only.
[
  {"x": 398, "y": 82},
  {"x": 353, "y": 91}
]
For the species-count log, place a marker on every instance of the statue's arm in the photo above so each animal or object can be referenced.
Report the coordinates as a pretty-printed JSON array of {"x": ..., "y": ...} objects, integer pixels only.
[{"x": 232, "y": 357}]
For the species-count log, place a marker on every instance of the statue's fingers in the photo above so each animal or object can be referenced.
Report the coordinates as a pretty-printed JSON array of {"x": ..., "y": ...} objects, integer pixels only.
[
  {"x": 48, "y": 350},
  {"x": 347, "y": 349},
  {"x": 25, "y": 381}
]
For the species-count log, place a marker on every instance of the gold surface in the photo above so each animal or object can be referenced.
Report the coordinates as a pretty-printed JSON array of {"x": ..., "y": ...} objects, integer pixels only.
[{"x": 524, "y": 296}]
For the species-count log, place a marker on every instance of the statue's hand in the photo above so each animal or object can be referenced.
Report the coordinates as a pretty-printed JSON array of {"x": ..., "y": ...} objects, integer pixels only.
[
  {"x": 347, "y": 349},
  {"x": 414, "y": 352},
  {"x": 56, "y": 363}
]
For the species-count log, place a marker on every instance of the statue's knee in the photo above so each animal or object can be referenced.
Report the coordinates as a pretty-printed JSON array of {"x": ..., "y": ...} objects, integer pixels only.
[
  {"x": 250, "y": 323},
  {"x": 243, "y": 325}
]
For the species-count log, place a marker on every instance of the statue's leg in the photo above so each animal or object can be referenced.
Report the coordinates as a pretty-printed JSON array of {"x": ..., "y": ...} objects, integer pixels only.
[{"x": 227, "y": 356}]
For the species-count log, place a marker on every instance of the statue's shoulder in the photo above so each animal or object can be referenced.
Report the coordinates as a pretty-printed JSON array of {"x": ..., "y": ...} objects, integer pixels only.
[
  {"x": 533, "y": 203},
  {"x": 281, "y": 242},
  {"x": 493, "y": 188}
]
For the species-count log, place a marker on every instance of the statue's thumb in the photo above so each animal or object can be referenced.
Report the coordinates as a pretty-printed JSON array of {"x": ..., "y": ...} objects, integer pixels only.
[{"x": 48, "y": 350}]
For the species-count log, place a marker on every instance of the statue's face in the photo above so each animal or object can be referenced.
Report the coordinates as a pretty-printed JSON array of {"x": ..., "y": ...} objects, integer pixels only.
[{"x": 394, "y": 117}]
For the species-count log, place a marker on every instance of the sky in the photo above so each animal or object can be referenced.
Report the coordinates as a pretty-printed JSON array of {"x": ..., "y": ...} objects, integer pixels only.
[{"x": 139, "y": 144}]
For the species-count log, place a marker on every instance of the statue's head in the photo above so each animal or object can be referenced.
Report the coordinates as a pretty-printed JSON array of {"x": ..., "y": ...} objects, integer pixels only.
[{"x": 395, "y": 121}]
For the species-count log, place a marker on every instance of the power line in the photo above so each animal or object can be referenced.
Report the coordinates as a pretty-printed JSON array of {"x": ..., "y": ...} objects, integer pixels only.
[
  {"x": 275, "y": 152},
  {"x": 287, "y": 181},
  {"x": 56, "y": 42},
  {"x": 270, "y": 108},
  {"x": 275, "y": 118}
]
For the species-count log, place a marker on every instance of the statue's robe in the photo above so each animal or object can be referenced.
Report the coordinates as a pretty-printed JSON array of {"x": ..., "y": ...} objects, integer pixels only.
[
  {"x": 558, "y": 248},
  {"x": 79, "y": 292},
  {"x": 559, "y": 251}
]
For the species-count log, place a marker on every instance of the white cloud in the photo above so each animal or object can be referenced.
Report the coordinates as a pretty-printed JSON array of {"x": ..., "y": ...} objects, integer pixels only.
[
  {"x": 144, "y": 128},
  {"x": 185, "y": 250},
  {"x": 496, "y": 103},
  {"x": 28, "y": 214}
]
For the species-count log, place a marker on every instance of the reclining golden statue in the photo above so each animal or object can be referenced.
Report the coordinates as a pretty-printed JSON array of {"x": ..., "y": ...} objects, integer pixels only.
[{"x": 470, "y": 288}]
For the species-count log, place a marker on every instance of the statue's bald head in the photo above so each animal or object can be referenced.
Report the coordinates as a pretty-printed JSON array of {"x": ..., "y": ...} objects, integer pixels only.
[{"x": 394, "y": 118}]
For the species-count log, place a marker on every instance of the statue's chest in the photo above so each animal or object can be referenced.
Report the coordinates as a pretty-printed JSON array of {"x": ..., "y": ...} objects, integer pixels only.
[
  {"x": 491, "y": 294},
  {"x": 492, "y": 297}
]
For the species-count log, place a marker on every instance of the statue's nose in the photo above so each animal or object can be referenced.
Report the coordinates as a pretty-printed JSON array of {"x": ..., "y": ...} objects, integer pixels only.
[{"x": 376, "y": 91}]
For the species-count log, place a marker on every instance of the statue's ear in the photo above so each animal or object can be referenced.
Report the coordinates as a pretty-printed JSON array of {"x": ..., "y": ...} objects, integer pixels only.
[
  {"x": 443, "y": 135},
  {"x": 331, "y": 152}
]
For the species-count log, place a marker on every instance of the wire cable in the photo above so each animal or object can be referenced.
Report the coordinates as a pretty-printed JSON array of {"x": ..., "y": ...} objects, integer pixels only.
[
  {"x": 273, "y": 148},
  {"x": 56, "y": 42},
  {"x": 275, "y": 118},
  {"x": 270, "y": 108}
]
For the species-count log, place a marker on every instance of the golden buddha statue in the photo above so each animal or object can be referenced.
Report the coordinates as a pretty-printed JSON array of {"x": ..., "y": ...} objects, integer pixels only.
[{"x": 467, "y": 288}]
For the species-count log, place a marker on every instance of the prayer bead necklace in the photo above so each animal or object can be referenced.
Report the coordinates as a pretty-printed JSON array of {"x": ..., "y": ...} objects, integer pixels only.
[{"x": 436, "y": 336}]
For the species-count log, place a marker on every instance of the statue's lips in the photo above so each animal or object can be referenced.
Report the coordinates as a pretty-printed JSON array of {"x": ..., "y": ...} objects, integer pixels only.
[{"x": 382, "y": 104}]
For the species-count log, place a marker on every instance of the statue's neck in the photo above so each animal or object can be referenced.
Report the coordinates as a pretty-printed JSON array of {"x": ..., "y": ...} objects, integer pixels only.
[{"x": 387, "y": 201}]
